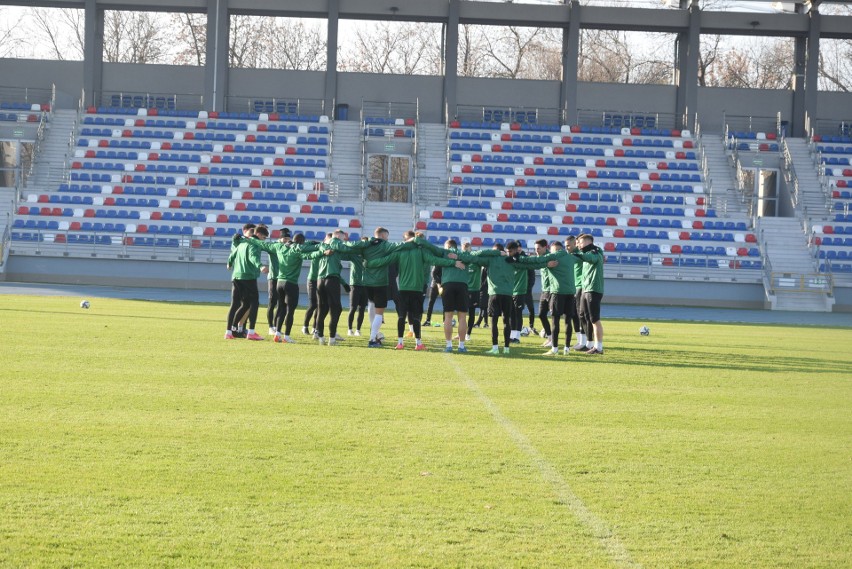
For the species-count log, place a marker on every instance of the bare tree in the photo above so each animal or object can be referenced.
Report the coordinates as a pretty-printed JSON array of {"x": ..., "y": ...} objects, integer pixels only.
[
  {"x": 397, "y": 48},
  {"x": 63, "y": 30},
  {"x": 470, "y": 51},
  {"x": 611, "y": 56},
  {"x": 508, "y": 48},
  {"x": 9, "y": 43},
  {"x": 756, "y": 63},
  {"x": 135, "y": 37},
  {"x": 190, "y": 38}
]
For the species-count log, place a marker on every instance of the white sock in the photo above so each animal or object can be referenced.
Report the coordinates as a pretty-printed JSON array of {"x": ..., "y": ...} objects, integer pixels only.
[
  {"x": 371, "y": 311},
  {"x": 599, "y": 346},
  {"x": 229, "y": 331},
  {"x": 250, "y": 331},
  {"x": 399, "y": 340},
  {"x": 375, "y": 326},
  {"x": 419, "y": 342},
  {"x": 495, "y": 347},
  {"x": 450, "y": 343},
  {"x": 581, "y": 339},
  {"x": 411, "y": 327},
  {"x": 590, "y": 344},
  {"x": 461, "y": 344},
  {"x": 287, "y": 338},
  {"x": 554, "y": 349}
]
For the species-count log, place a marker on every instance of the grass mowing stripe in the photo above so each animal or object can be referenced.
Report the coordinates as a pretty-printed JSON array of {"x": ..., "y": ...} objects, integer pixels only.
[{"x": 599, "y": 528}]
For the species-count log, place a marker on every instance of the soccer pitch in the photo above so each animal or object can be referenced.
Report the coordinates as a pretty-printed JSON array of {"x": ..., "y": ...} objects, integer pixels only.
[{"x": 131, "y": 434}]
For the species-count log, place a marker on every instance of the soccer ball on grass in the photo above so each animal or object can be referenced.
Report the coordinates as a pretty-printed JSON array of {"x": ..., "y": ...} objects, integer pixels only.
[
  {"x": 84, "y": 304},
  {"x": 645, "y": 331}
]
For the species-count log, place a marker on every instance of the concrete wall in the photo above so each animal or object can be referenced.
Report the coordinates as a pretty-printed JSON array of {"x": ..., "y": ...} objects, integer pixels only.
[
  {"x": 615, "y": 96},
  {"x": 353, "y": 88},
  {"x": 205, "y": 276},
  {"x": 714, "y": 102},
  {"x": 356, "y": 87}
]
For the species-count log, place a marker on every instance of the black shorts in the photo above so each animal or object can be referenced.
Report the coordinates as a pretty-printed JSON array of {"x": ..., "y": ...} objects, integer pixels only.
[
  {"x": 472, "y": 299},
  {"x": 497, "y": 303},
  {"x": 558, "y": 303},
  {"x": 378, "y": 295},
  {"x": 411, "y": 305},
  {"x": 454, "y": 297},
  {"x": 592, "y": 300},
  {"x": 358, "y": 296},
  {"x": 544, "y": 299},
  {"x": 518, "y": 301}
]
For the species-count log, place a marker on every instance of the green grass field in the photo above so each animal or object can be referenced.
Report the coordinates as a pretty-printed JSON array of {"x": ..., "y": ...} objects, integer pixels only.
[{"x": 131, "y": 434}]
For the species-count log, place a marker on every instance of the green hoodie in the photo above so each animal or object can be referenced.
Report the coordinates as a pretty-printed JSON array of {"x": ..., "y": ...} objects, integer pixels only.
[
  {"x": 593, "y": 273},
  {"x": 560, "y": 279},
  {"x": 501, "y": 275},
  {"x": 413, "y": 266},
  {"x": 288, "y": 258},
  {"x": 474, "y": 276},
  {"x": 245, "y": 260},
  {"x": 372, "y": 250},
  {"x": 329, "y": 265}
]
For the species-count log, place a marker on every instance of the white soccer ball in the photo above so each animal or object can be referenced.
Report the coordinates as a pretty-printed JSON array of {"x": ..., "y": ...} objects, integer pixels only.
[
  {"x": 84, "y": 304},
  {"x": 645, "y": 331},
  {"x": 525, "y": 331},
  {"x": 380, "y": 336}
]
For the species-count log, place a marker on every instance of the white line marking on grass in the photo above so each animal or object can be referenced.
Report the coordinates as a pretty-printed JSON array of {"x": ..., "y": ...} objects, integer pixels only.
[{"x": 599, "y": 529}]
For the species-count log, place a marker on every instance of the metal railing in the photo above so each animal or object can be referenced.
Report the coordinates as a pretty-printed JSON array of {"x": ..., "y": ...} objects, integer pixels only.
[
  {"x": 800, "y": 283},
  {"x": 279, "y": 105},
  {"x": 751, "y": 123},
  {"x": 508, "y": 114},
  {"x": 832, "y": 127},
  {"x": 33, "y": 96},
  {"x": 627, "y": 119},
  {"x": 5, "y": 239},
  {"x": 431, "y": 191},
  {"x": 149, "y": 100},
  {"x": 390, "y": 110}
]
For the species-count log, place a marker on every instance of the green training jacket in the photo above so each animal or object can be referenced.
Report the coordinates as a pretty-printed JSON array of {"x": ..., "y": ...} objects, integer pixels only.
[
  {"x": 593, "y": 272},
  {"x": 413, "y": 266}
]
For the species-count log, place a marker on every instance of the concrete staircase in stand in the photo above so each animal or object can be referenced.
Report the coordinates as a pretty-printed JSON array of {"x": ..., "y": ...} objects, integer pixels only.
[
  {"x": 813, "y": 203},
  {"x": 346, "y": 160},
  {"x": 397, "y": 218},
  {"x": 785, "y": 246},
  {"x": 432, "y": 169},
  {"x": 52, "y": 163},
  {"x": 726, "y": 199}
]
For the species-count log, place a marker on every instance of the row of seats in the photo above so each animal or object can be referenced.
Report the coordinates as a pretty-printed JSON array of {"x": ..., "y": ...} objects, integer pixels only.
[
  {"x": 15, "y": 117},
  {"x": 619, "y": 120},
  {"x": 153, "y": 111},
  {"x": 98, "y": 120},
  {"x": 582, "y": 129},
  {"x": 178, "y": 204}
]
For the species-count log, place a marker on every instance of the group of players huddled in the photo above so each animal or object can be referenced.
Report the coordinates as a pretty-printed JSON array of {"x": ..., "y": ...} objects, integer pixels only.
[{"x": 498, "y": 280}]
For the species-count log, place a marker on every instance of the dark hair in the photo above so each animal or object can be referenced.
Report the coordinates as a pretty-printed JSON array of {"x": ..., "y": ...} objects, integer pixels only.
[
  {"x": 498, "y": 246},
  {"x": 586, "y": 236},
  {"x": 261, "y": 230},
  {"x": 299, "y": 239},
  {"x": 512, "y": 245},
  {"x": 541, "y": 242},
  {"x": 248, "y": 226},
  {"x": 557, "y": 244},
  {"x": 285, "y": 232},
  {"x": 452, "y": 243}
]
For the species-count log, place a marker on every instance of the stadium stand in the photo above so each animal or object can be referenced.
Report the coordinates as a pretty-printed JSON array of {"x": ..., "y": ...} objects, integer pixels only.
[
  {"x": 162, "y": 178},
  {"x": 638, "y": 190}
]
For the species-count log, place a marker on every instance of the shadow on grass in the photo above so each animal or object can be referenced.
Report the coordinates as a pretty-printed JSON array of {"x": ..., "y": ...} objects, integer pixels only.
[{"x": 758, "y": 363}]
